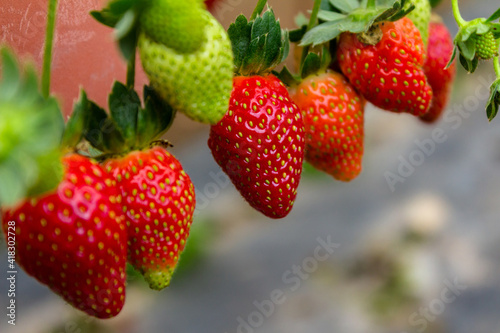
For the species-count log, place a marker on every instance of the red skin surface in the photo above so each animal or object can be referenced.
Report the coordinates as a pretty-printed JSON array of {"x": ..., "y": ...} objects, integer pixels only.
[
  {"x": 440, "y": 78},
  {"x": 390, "y": 73},
  {"x": 159, "y": 201},
  {"x": 334, "y": 124},
  {"x": 74, "y": 239},
  {"x": 84, "y": 53},
  {"x": 260, "y": 144}
]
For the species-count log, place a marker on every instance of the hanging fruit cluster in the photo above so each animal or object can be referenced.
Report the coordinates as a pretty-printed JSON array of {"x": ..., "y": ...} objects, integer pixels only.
[{"x": 89, "y": 196}]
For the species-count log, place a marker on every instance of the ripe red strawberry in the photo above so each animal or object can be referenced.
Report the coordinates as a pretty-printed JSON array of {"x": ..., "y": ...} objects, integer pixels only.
[
  {"x": 440, "y": 78},
  {"x": 73, "y": 238},
  {"x": 334, "y": 124},
  {"x": 389, "y": 72},
  {"x": 260, "y": 144},
  {"x": 159, "y": 202}
]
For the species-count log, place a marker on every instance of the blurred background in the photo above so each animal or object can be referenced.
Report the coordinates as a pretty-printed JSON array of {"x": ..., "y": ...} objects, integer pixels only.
[{"x": 412, "y": 245}]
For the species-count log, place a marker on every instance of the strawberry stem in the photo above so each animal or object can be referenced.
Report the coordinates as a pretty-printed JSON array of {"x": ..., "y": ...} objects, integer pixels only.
[
  {"x": 47, "y": 55},
  {"x": 258, "y": 9},
  {"x": 456, "y": 12},
  {"x": 496, "y": 64},
  {"x": 312, "y": 23},
  {"x": 131, "y": 71}
]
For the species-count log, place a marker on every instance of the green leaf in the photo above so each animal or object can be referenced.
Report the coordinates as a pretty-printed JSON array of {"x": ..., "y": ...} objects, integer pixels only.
[
  {"x": 124, "y": 104},
  {"x": 328, "y": 16},
  {"x": 10, "y": 75},
  {"x": 321, "y": 34},
  {"x": 345, "y": 6},
  {"x": 494, "y": 16},
  {"x": 494, "y": 100},
  {"x": 301, "y": 20}
]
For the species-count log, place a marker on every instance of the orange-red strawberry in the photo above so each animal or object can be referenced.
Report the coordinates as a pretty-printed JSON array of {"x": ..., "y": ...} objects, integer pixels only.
[
  {"x": 386, "y": 66},
  {"x": 159, "y": 202},
  {"x": 260, "y": 144},
  {"x": 440, "y": 78},
  {"x": 73, "y": 239},
  {"x": 334, "y": 124}
]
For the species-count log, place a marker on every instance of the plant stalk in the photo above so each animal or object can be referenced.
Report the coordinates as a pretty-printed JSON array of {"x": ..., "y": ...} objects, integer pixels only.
[
  {"x": 47, "y": 55},
  {"x": 131, "y": 71},
  {"x": 312, "y": 23},
  {"x": 258, "y": 9},
  {"x": 456, "y": 13},
  {"x": 496, "y": 64}
]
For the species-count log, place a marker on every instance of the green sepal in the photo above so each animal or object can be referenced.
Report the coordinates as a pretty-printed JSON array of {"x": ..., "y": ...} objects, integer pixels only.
[
  {"x": 287, "y": 77},
  {"x": 494, "y": 16},
  {"x": 124, "y": 105},
  {"x": 77, "y": 123},
  {"x": 31, "y": 129},
  {"x": 155, "y": 119},
  {"x": 102, "y": 132},
  {"x": 311, "y": 65},
  {"x": 469, "y": 65},
  {"x": 357, "y": 20},
  {"x": 258, "y": 45},
  {"x": 494, "y": 100}
]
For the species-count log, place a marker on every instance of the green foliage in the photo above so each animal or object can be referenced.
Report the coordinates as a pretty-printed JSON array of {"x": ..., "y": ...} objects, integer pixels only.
[
  {"x": 31, "y": 128},
  {"x": 129, "y": 126},
  {"x": 494, "y": 100},
  {"x": 355, "y": 18},
  {"x": 258, "y": 45}
]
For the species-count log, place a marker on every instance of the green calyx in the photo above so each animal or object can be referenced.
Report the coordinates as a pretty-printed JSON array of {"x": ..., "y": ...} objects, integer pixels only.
[
  {"x": 259, "y": 45},
  {"x": 31, "y": 128},
  {"x": 178, "y": 25},
  {"x": 351, "y": 16},
  {"x": 128, "y": 126},
  {"x": 477, "y": 40}
]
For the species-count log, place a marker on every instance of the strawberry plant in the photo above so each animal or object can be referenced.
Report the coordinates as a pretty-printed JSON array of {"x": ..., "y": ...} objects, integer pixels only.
[{"x": 89, "y": 195}]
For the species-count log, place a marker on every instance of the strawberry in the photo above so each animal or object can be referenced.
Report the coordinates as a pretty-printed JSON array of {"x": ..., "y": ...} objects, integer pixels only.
[
  {"x": 197, "y": 83},
  {"x": 259, "y": 144},
  {"x": 440, "y": 78},
  {"x": 486, "y": 45},
  {"x": 178, "y": 25},
  {"x": 72, "y": 239},
  {"x": 388, "y": 72},
  {"x": 421, "y": 17},
  {"x": 334, "y": 123},
  {"x": 159, "y": 201}
]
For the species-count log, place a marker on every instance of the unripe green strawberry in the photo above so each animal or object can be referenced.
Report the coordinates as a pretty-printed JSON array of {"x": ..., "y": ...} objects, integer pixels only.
[
  {"x": 421, "y": 17},
  {"x": 486, "y": 45},
  {"x": 198, "y": 84},
  {"x": 177, "y": 24}
]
